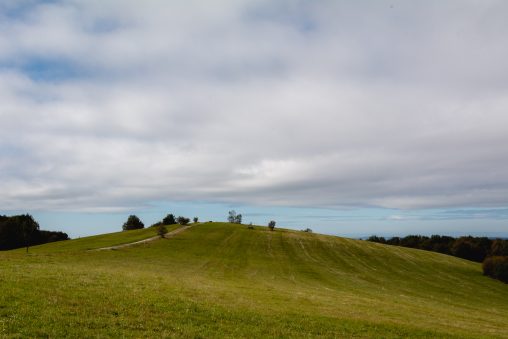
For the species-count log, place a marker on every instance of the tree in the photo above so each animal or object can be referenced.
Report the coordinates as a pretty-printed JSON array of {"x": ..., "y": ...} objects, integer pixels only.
[
  {"x": 182, "y": 220},
  {"x": 496, "y": 267},
  {"x": 161, "y": 230},
  {"x": 271, "y": 225},
  {"x": 234, "y": 218},
  {"x": 29, "y": 227},
  {"x": 195, "y": 219},
  {"x": 169, "y": 220},
  {"x": 133, "y": 223}
]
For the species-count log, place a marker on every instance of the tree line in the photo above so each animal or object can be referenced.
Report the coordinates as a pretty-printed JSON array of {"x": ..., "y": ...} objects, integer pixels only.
[
  {"x": 23, "y": 231},
  {"x": 470, "y": 248},
  {"x": 493, "y": 253}
]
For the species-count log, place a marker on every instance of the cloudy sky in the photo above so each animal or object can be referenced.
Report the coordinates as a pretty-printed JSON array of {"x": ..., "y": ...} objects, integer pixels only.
[{"x": 353, "y": 117}]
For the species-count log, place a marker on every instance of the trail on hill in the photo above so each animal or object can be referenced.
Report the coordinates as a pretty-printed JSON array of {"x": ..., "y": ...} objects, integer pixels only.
[{"x": 167, "y": 236}]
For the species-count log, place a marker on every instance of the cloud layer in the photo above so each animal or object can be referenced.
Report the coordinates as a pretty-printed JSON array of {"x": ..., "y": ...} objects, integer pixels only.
[{"x": 110, "y": 105}]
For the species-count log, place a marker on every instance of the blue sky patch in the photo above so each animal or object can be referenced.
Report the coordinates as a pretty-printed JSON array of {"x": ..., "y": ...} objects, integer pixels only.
[{"x": 41, "y": 69}]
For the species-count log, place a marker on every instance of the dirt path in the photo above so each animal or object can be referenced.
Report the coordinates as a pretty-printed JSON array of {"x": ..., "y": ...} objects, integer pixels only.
[{"x": 167, "y": 236}]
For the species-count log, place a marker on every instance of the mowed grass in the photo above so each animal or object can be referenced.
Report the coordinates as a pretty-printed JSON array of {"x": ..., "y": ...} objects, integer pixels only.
[{"x": 222, "y": 280}]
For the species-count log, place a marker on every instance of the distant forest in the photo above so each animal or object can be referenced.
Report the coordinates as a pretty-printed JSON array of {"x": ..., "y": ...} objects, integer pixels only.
[
  {"x": 23, "y": 231},
  {"x": 471, "y": 248}
]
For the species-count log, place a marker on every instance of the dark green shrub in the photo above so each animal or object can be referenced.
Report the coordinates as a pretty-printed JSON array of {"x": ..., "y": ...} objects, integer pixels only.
[{"x": 133, "y": 223}]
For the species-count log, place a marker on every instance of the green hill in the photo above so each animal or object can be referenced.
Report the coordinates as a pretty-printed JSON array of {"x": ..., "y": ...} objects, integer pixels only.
[{"x": 223, "y": 280}]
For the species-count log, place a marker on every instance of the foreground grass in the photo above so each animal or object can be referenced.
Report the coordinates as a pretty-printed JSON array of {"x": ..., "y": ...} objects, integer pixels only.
[{"x": 222, "y": 280}]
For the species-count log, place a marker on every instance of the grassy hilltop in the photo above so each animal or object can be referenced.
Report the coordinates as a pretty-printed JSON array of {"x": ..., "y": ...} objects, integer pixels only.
[{"x": 224, "y": 280}]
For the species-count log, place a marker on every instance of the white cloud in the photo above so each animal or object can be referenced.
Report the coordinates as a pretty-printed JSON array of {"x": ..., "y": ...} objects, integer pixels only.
[{"x": 112, "y": 104}]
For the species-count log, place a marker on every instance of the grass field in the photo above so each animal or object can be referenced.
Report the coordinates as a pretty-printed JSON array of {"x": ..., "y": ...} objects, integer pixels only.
[{"x": 223, "y": 280}]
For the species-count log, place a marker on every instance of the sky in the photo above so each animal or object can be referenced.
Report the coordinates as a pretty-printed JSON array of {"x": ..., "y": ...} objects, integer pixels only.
[{"x": 349, "y": 117}]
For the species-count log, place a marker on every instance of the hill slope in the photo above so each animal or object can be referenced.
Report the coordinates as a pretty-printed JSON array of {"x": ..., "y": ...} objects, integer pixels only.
[
  {"x": 99, "y": 241},
  {"x": 217, "y": 280}
]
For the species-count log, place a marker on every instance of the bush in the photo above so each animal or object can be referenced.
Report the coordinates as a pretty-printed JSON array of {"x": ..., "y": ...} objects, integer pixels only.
[
  {"x": 195, "y": 219},
  {"x": 133, "y": 223},
  {"x": 496, "y": 267},
  {"x": 308, "y": 230},
  {"x": 271, "y": 225},
  {"x": 161, "y": 230}
]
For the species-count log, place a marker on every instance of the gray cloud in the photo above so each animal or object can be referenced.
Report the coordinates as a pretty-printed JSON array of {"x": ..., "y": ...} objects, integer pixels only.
[{"x": 112, "y": 104}]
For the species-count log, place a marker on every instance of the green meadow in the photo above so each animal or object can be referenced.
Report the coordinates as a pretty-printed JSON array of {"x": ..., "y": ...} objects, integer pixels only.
[{"x": 218, "y": 280}]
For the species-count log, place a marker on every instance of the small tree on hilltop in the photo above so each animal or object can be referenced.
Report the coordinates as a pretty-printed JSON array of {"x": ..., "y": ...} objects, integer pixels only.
[
  {"x": 234, "y": 218},
  {"x": 161, "y": 230},
  {"x": 133, "y": 223},
  {"x": 182, "y": 220},
  {"x": 195, "y": 219},
  {"x": 169, "y": 220},
  {"x": 271, "y": 225}
]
